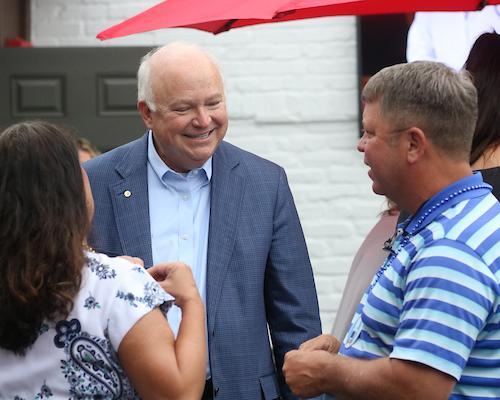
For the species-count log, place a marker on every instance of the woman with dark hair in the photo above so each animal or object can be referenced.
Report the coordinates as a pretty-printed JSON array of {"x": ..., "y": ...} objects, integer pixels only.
[
  {"x": 77, "y": 324},
  {"x": 484, "y": 65}
]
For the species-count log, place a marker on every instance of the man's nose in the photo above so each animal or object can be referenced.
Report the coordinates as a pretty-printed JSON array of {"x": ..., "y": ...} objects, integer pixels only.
[
  {"x": 361, "y": 143},
  {"x": 202, "y": 118}
]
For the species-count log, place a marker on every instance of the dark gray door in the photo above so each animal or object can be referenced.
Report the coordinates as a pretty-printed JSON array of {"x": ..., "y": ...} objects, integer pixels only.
[{"x": 92, "y": 90}]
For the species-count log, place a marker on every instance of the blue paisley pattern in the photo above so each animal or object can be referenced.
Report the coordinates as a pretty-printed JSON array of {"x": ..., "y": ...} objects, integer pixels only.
[
  {"x": 81, "y": 349},
  {"x": 91, "y": 366}
]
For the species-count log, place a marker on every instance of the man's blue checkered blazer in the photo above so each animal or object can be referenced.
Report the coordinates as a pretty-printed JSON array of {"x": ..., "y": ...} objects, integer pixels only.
[{"x": 258, "y": 269}]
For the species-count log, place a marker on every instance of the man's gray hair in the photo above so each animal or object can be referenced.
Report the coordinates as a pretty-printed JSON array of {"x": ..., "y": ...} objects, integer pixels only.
[
  {"x": 144, "y": 86},
  {"x": 430, "y": 96},
  {"x": 144, "y": 82}
]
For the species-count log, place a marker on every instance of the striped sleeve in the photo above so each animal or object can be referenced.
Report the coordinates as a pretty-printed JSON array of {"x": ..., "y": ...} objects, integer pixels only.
[{"x": 450, "y": 293}]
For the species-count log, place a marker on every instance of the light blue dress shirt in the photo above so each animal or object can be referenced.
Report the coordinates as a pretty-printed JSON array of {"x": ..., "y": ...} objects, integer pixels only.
[{"x": 179, "y": 211}]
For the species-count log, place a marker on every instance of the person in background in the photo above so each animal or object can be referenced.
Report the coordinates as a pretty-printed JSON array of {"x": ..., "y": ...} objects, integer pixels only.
[
  {"x": 86, "y": 150},
  {"x": 427, "y": 326},
  {"x": 367, "y": 261},
  {"x": 77, "y": 324},
  {"x": 484, "y": 65},
  {"x": 182, "y": 193},
  {"x": 448, "y": 36}
]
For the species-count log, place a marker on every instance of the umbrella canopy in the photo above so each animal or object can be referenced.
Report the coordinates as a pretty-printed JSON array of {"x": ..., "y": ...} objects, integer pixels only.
[{"x": 218, "y": 16}]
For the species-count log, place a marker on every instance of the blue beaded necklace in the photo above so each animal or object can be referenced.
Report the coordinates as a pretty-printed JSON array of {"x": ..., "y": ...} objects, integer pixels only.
[
  {"x": 357, "y": 322},
  {"x": 408, "y": 235}
]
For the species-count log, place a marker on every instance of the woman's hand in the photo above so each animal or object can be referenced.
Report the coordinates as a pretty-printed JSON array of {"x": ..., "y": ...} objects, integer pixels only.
[{"x": 177, "y": 279}]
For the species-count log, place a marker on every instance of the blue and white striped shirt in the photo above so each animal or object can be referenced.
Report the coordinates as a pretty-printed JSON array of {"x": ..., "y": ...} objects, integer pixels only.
[{"x": 438, "y": 301}]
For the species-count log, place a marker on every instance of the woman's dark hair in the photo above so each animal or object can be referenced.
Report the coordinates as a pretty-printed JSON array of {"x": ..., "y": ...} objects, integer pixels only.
[
  {"x": 43, "y": 224},
  {"x": 484, "y": 65}
]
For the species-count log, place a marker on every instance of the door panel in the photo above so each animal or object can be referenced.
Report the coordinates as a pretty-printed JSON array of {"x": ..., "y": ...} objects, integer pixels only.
[{"x": 92, "y": 90}]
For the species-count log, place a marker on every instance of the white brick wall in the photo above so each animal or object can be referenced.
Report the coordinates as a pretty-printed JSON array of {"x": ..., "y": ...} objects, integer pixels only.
[{"x": 292, "y": 96}]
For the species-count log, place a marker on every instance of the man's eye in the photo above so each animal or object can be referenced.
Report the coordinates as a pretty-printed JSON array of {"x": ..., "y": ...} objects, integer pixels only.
[
  {"x": 181, "y": 109},
  {"x": 214, "y": 103}
]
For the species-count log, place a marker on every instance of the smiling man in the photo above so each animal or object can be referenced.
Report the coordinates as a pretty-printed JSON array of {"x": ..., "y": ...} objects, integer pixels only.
[
  {"x": 182, "y": 193},
  {"x": 184, "y": 106},
  {"x": 427, "y": 326}
]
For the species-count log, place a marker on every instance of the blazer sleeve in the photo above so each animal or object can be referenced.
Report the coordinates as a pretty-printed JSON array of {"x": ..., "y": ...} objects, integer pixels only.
[{"x": 290, "y": 293}]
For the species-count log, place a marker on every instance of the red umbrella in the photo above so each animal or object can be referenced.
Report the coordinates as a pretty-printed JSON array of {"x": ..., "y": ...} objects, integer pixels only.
[{"x": 217, "y": 16}]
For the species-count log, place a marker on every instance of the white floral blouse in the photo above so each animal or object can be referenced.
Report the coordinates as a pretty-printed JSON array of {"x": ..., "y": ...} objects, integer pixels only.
[{"x": 76, "y": 358}]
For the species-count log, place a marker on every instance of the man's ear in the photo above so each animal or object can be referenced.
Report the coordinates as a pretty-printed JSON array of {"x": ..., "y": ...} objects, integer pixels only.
[
  {"x": 145, "y": 112},
  {"x": 417, "y": 144}
]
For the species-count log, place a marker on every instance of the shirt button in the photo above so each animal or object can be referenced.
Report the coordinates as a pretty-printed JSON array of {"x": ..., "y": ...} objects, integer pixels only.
[
  {"x": 185, "y": 197},
  {"x": 184, "y": 237}
]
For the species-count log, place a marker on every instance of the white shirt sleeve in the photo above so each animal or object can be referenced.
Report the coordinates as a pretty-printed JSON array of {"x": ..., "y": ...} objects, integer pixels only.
[
  {"x": 420, "y": 44},
  {"x": 129, "y": 294}
]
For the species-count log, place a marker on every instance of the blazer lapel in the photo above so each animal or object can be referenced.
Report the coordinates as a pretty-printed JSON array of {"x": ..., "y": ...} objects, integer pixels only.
[
  {"x": 226, "y": 198},
  {"x": 131, "y": 204}
]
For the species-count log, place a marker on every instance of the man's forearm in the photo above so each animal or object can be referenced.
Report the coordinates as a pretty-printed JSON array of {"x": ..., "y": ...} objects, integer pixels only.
[
  {"x": 309, "y": 373},
  {"x": 384, "y": 378}
]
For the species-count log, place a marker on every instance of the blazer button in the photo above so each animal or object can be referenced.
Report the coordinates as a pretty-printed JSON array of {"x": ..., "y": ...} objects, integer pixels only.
[{"x": 216, "y": 390}]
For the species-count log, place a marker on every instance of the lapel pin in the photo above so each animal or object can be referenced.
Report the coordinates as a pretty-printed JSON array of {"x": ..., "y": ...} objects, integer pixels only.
[{"x": 127, "y": 193}]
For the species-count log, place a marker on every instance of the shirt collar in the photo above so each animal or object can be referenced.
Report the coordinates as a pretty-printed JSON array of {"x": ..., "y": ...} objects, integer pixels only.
[
  {"x": 466, "y": 188},
  {"x": 162, "y": 170}
]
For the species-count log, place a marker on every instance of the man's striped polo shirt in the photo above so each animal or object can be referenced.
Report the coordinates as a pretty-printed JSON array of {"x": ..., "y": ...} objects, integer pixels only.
[{"x": 438, "y": 300}]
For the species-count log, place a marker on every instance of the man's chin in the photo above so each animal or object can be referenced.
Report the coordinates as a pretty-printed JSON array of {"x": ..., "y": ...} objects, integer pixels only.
[
  {"x": 377, "y": 189},
  {"x": 197, "y": 161}
]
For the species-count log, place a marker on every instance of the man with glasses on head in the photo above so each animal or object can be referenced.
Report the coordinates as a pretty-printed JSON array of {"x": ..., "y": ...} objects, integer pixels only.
[
  {"x": 182, "y": 193},
  {"x": 427, "y": 326}
]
